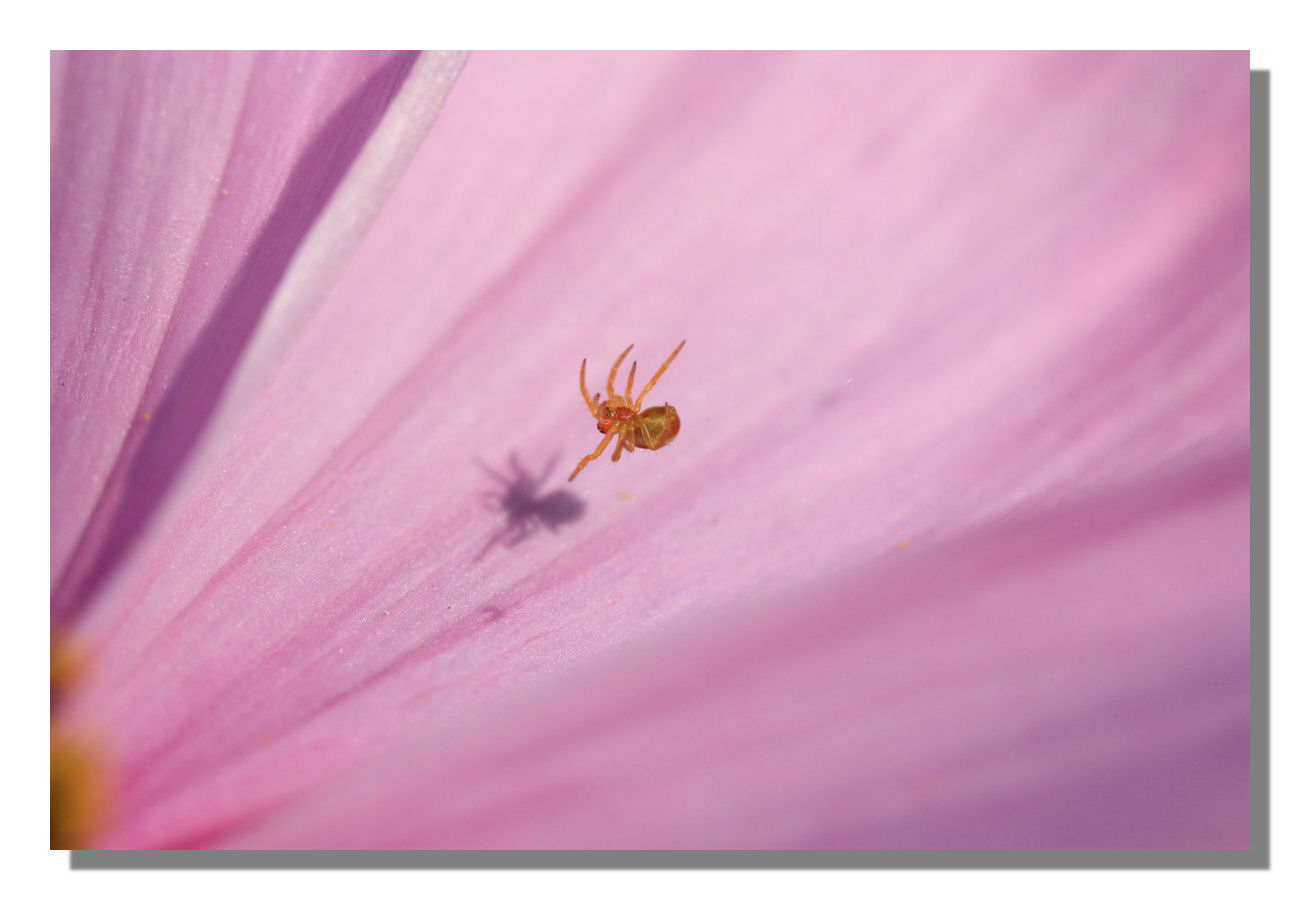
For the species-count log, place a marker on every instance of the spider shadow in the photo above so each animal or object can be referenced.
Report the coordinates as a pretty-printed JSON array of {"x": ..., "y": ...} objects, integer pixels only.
[{"x": 526, "y": 509}]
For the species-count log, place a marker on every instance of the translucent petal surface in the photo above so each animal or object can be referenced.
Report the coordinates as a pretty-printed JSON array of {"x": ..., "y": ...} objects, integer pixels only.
[
  {"x": 183, "y": 185},
  {"x": 1073, "y": 679},
  {"x": 920, "y": 294}
]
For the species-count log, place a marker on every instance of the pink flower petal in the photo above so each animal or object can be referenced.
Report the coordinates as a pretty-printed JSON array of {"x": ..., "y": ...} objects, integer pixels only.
[
  {"x": 184, "y": 185},
  {"x": 1075, "y": 679},
  {"x": 920, "y": 293}
]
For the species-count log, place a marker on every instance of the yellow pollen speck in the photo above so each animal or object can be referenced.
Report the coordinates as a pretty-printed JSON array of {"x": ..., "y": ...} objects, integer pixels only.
[
  {"x": 79, "y": 784},
  {"x": 224, "y": 192},
  {"x": 148, "y": 416},
  {"x": 79, "y": 796},
  {"x": 624, "y": 495},
  {"x": 66, "y": 666}
]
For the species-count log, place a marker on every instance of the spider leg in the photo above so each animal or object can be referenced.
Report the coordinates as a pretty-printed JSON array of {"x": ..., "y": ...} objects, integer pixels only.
[
  {"x": 630, "y": 375},
  {"x": 664, "y": 368},
  {"x": 582, "y": 383},
  {"x": 600, "y": 448},
  {"x": 614, "y": 371},
  {"x": 622, "y": 442}
]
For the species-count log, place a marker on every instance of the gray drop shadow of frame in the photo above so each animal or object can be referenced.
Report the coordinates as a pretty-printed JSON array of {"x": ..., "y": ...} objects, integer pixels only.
[{"x": 1257, "y": 857}]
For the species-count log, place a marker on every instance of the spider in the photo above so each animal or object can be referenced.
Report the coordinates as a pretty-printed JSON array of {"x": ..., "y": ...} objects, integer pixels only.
[{"x": 617, "y": 415}]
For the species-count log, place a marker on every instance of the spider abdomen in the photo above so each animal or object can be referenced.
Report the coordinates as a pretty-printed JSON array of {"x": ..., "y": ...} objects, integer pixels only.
[{"x": 657, "y": 426}]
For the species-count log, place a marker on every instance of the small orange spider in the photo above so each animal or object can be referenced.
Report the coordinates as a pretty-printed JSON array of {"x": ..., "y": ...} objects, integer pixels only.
[{"x": 617, "y": 415}]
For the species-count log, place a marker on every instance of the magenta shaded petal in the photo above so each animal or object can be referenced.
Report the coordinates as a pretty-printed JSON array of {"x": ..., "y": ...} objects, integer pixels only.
[
  {"x": 183, "y": 184},
  {"x": 920, "y": 293},
  {"x": 1074, "y": 679}
]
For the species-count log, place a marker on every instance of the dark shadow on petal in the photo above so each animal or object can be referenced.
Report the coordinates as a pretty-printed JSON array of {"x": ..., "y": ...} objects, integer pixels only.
[
  {"x": 519, "y": 498},
  {"x": 154, "y": 451},
  {"x": 490, "y": 613}
]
